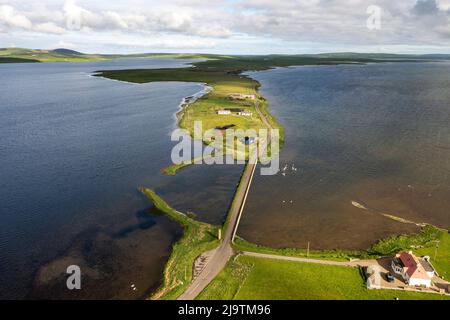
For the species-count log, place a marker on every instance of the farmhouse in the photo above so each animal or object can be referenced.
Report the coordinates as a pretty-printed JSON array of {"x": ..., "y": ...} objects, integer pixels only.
[
  {"x": 240, "y": 96},
  {"x": 237, "y": 111},
  {"x": 415, "y": 271}
]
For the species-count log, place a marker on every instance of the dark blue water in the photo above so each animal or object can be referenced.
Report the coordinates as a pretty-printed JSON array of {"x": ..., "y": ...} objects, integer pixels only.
[
  {"x": 377, "y": 134},
  {"x": 73, "y": 150}
]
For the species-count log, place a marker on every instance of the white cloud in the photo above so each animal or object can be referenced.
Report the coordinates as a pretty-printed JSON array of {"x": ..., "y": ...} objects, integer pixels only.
[
  {"x": 328, "y": 22},
  {"x": 10, "y": 18},
  {"x": 49, "y": 27},
  {"x": 63, "y": 44}
]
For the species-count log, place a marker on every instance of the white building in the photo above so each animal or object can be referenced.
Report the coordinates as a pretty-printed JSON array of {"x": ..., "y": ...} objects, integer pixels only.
[
  {"x": 415, "y": 271},
  {"x": 240, "y": 96},
  {"x": 224, "y": 112}
]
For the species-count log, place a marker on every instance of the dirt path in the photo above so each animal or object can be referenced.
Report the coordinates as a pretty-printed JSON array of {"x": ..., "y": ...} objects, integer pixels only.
[{"x": 356, "y": 263}]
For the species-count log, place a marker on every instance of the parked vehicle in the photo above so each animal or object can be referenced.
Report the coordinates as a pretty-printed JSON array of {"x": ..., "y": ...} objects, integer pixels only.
[{"x": 390, "y": 277}]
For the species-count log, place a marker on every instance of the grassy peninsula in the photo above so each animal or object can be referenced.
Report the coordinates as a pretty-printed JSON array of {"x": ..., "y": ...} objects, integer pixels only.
[{"x": 224, "y": 84}]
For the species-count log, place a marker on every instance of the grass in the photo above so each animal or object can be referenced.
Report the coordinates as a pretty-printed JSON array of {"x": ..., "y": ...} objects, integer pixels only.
[
  {"x": 172, "y": 169},
  {"x": 250, "y": 278},
  {"x": 392, "y": 245},
  {"x": 337, "y": 255},
  {"x": 423, "y": 243},
  {"x": 439, "y": 252},
  {"x": 198, "y": 237}
]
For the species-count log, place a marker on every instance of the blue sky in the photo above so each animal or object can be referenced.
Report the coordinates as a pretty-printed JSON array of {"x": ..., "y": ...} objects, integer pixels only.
[{"x": 228, "y": 26}]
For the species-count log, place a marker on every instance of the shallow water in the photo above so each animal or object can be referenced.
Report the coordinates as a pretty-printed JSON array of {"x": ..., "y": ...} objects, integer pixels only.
[
  {"x": 377, "y": 134},
  {"x": 73, "y": 150}
]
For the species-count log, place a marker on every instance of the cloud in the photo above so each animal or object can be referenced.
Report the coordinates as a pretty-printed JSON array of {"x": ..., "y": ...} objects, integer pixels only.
[
  {"x": 9, "y": 17},
  {"x": 63, "y": 44},
  {"x": 425, "y": 7},
  {"x": 48, "y": 27},
  {"x": 165, "y": 44},
  {"x": 332, "y": 22}
]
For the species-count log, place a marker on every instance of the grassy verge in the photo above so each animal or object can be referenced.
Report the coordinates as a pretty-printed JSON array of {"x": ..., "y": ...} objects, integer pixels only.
[
  {"x": 198, "y": 237},
  {"x": 392, "y": 245},
  {"x": 172, "y": 169},
  {"x": 439, "y": 252},
  {"x": 266, "y": 279},
  {"x": 228, "y": 282}
]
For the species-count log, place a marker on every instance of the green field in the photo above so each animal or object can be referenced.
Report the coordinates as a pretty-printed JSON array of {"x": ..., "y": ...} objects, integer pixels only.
[
  {"x": 266, "y": 279},
  {"x": 439, "y": 252}
]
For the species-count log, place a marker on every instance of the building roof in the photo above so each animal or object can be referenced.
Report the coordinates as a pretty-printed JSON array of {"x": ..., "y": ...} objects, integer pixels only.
[
  {"x": 426, "y": 265},
  {"x": 412, "y": 266},
  {"x": 233, "y": 109}
]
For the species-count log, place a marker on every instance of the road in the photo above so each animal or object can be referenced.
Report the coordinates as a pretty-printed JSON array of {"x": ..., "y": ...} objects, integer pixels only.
[
  {"x": 355, "y": 263},
  {"x": 219, "y": 257}
]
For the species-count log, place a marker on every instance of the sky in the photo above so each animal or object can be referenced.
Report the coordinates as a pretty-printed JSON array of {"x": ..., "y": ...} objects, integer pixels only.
[{"x": 228, "y": 26}]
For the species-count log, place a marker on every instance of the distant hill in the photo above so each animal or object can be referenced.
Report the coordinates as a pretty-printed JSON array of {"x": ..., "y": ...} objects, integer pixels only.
[
  {"x": 243, "y": 61},
  {"x": 57, "y": 55},
  {"x": 67, "y": 51},
  {"x": 68, "y": 55}
]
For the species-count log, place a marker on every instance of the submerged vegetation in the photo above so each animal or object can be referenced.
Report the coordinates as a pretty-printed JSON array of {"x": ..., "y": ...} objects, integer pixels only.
[{"x": 198, "y": 237}]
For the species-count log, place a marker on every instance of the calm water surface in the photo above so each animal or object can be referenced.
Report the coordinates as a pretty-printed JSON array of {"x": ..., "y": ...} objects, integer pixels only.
[
  {"x": 377, "y": 134},
  {"x": 73, "y": 150}
]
